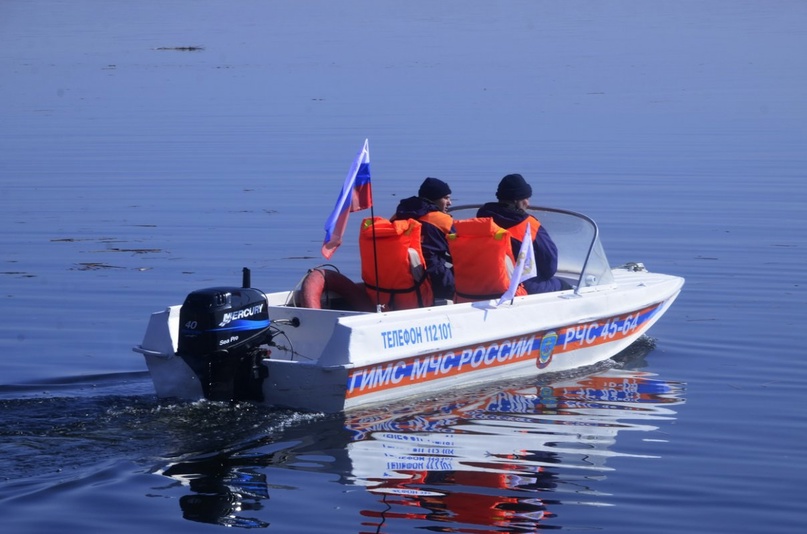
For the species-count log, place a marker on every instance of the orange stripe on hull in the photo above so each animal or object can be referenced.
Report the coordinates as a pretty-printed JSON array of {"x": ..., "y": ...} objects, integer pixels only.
[{"x": 539, "y": 346}]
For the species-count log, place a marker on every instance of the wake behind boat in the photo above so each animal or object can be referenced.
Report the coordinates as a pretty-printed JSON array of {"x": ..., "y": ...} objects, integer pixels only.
[{"x": 318, "y": 348}]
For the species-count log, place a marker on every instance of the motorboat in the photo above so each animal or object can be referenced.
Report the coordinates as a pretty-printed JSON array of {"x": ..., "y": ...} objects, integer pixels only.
[{"x": 239, "y": 343}]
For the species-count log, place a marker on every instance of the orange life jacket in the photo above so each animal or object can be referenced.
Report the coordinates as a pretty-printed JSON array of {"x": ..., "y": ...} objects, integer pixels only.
[
  {"x": 483, "y": 259},
  {"x": 441, "y": 220},
  {"x": 402, "y": 282},
  {"x": 517, "y": 231}
]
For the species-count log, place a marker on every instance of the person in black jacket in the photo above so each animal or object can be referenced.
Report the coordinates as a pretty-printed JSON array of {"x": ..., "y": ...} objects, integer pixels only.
[
  {"x": 513, "y": 196},
  {"x": 430, "y": 208}
]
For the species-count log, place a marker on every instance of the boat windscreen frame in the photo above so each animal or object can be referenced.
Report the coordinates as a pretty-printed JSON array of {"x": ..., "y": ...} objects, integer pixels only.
[{"x": 585, "y": 278}]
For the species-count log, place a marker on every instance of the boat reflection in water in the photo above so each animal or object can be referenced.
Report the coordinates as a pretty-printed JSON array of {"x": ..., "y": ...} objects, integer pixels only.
[
  {"x": 492, "y": 459},
  {"x": 484, "y": 460},
  {"x": 224, "y": 490}
]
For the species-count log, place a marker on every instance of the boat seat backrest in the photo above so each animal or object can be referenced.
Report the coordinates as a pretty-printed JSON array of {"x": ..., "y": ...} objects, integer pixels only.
[
  {"x": 509, "y": 264},
  {"x": 416, "y": 266}
]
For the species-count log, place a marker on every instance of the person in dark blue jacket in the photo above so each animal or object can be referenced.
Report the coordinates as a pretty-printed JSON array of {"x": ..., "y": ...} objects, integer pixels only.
[
  {"x": 513, "y": 196},
  {"x": 429, "y": 207}
]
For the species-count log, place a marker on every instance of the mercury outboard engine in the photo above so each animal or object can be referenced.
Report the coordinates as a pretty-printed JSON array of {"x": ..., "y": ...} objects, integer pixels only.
[{"x": 221, "y": 333}]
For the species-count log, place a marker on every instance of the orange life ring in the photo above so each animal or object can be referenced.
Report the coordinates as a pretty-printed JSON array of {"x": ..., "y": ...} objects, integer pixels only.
[{"x": 319, "y": 281}]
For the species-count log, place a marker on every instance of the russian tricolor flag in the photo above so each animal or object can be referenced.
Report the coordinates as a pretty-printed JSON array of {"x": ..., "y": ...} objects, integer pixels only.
[{"x": 356, "y": 195}]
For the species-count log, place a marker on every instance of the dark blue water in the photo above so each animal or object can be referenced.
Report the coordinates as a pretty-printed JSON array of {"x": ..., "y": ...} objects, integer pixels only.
[{"x": 151, "y": 149}]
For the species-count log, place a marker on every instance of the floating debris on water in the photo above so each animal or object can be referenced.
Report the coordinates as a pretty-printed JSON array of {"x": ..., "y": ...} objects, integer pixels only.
[
  {"x": 135, "y": 250},
  {"x": 182, "y": 48},
  {"x": 94, "y": 266},
  {"x": 21, "y": 274}
]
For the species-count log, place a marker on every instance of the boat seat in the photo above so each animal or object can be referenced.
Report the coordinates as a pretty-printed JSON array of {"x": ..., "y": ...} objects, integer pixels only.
[{"x": 416, "y": 266}]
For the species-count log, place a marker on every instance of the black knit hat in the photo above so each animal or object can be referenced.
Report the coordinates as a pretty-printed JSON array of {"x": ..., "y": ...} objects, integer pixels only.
[
  {"x": 432, "y": 189},
  {"x": 513, "y": 187}
]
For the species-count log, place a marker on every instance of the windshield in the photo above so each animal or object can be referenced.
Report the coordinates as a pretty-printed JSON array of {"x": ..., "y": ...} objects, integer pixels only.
[{"x": 580, "y": 253}]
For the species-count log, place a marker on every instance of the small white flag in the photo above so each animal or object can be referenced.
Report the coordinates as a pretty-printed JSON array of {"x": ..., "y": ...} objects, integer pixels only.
[{"x": 525, "y": 267}]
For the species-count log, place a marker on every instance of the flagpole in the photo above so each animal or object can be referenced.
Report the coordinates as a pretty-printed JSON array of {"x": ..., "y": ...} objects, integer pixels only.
[
  {"x": 522, "y": 261},
  {"x": 375, "y": 258},
  {"x": 375, "y": 247},
  {"x": 352, "y": 199}
]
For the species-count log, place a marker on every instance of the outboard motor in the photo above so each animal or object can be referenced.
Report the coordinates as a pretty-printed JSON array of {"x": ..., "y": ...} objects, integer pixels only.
[{"x": 220, "y": 334}]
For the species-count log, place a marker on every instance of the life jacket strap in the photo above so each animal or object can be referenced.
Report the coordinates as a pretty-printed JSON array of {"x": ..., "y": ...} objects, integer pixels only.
[{"x": 392, "y": 292}]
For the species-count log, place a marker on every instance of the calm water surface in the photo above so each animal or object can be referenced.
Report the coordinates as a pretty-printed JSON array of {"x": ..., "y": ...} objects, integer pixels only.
[{"x": 151, "y": 149}]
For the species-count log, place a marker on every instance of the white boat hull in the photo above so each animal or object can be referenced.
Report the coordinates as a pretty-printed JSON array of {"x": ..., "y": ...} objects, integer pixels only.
[{"x": 337, "y": 360}]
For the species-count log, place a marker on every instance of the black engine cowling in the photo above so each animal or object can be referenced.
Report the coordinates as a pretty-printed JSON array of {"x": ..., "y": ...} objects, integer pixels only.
[{"x": 220, "y": 332}]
